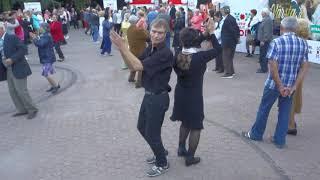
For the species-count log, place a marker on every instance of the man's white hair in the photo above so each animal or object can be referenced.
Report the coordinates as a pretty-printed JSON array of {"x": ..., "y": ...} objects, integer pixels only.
[
  {"x": 266, "y": 11},
  {"x": 2, "y": 26},
  {"x": 290, "y": 23}
]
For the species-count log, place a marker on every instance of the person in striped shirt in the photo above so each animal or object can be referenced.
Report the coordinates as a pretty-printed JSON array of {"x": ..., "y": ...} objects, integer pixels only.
[{"x": 288, "y": 62}]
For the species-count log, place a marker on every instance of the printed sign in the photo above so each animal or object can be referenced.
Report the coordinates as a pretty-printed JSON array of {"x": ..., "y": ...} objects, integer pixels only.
[
  {"x": 32, "y": 6},
  {"x": 314, "y": 51},
  {"x": 112, "y": 4}
]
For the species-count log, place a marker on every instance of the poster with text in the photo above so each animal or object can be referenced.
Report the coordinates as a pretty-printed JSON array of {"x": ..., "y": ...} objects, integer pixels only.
[
  {"x": 306, "y": 9},
  {"x": 112, "y": 4},
  {"x": 32, "y": 6}
]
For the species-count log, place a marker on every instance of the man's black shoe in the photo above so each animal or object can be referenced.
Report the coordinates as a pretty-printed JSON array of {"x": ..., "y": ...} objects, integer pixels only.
[
  {"x": 19, "y": 114},
  {"x": 32, "y": 115}
]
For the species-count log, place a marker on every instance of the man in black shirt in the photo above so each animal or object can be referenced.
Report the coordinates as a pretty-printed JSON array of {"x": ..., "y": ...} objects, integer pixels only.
[{"x": 156, "y": 65}]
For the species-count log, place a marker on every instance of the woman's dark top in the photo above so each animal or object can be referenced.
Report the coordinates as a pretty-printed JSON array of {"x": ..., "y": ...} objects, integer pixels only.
[
  {"x": 45, "y": 48},
  {"x": 188, "y": 98}
]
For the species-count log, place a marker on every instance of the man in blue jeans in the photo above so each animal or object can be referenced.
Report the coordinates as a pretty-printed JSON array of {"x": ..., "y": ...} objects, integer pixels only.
[{"x": 288, "y": 61}]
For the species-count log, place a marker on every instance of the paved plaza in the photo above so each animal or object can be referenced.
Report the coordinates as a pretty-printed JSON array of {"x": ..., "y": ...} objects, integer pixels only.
[{"x": 88, "y": 130}]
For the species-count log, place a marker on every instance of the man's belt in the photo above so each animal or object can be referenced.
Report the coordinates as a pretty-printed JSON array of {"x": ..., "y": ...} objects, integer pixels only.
[{"x": 153, "y": 93}]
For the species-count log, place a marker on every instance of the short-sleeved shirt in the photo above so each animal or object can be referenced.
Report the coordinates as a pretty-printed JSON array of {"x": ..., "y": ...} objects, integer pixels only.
[
  {"x": 157, "y": 66},
  {"x": 289, "y": 51}
]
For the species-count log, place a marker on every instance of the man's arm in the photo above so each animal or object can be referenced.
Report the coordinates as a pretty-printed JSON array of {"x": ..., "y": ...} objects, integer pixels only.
[
  {"x": 275, "y": 76},
  {"x": 268, "y": 30},
  {"x": 134, "y": 64}
]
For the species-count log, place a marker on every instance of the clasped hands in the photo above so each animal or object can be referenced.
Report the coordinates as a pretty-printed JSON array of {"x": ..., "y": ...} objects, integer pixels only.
[
  {"x": 8, "y": 62},
  {"x": 287, "y": 91}
]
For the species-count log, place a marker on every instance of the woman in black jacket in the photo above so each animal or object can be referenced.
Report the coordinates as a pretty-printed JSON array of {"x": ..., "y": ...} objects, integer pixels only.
[{"x": 190, "y": 66}]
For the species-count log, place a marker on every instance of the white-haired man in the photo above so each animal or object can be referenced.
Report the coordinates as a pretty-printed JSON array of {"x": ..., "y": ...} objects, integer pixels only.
[
  {"x": 265, "y": 33},
  {"x": 15, "y": 69},
  {"x": 288, "y": 60}
]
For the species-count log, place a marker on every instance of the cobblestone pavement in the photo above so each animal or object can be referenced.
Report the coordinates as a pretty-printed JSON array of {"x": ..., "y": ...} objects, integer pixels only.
[{"x": 88, "y": 130}]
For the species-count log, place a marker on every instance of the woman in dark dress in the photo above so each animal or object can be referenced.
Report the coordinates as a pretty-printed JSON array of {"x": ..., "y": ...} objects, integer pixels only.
[{"x": 190, "y": 66}]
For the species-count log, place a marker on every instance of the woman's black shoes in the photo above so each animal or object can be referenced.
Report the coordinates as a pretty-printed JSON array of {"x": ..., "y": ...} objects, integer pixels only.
[
  {"x": 191, "y": 160},
  {"x": 293, "y": 132},
  {"x": 182, "y": 152}
]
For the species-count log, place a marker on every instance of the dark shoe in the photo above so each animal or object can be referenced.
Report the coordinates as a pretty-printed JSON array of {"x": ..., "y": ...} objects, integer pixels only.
[
  {"x": 215, "y": 69},
  {"x": 249, "y": 55},
  {"x": 220, "y": 71},
  {"x": 261, "y": 71},
  {"x": 157, "y": 171},
  {"x": 55, "y": 89},
  {"x": 293, "y": 132},
  {"x": 152, "y": 159},
  {"x": 32, "y": 115},
  {"x": 138, "y": 85},
  {"x": 49, "y": 90},
  {"x": 61, "y": 60},
  {"x": 19, "y": 114},
  {"x": 182, "y": 152},
  {"x": 192, "y": 160},
  {"x": 227, "y": 76}
]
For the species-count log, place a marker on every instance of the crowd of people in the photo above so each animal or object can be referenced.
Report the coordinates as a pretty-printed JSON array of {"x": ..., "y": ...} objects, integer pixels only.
[{"x": 143, "y": 38}]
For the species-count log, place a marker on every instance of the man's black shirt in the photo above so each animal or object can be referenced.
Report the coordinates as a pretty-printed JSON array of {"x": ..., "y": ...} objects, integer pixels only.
[{"x": 157, "y": 66}]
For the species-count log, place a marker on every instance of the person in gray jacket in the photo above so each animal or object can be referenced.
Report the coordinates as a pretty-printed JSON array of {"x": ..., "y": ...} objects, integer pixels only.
[
  {"x": 265, "y": 33},
  {"x": 15, "y": 69}
]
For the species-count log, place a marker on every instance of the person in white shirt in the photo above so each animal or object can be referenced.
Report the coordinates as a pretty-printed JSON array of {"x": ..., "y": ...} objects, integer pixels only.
[
  {"x": 251, "y": 30},
  {"x": 218, "y": 18}
]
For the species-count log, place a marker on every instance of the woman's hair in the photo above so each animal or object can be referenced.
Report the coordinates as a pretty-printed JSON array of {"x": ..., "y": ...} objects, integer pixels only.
[
  {"x": 253, "y": 11},
  {"x": 218, "y": 14},
  {"x": 141, "y": 13},
  {"x": 303, "y": 30},
  {"x": 106, "y": 16},
  {"x": 212, "y": 13},
  {"x": 190, "y": 37}
]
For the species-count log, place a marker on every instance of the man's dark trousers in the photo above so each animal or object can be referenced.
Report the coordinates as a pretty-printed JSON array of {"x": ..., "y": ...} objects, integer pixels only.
[
  {"x": 227, "y": 56},
  {"x": 150, "y": 121},
  {"x": 262, "y": 58},
  {"x": 58, "y": 49}
]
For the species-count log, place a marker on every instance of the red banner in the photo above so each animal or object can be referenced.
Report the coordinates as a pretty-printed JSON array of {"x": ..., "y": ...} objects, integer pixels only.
[{"x": 141, "y": 2}]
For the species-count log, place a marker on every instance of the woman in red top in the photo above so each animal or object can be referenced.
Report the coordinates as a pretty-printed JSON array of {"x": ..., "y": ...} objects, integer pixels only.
[
  {"x": 57, "y": 36},
  {"x": 19, "y": 30}
]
